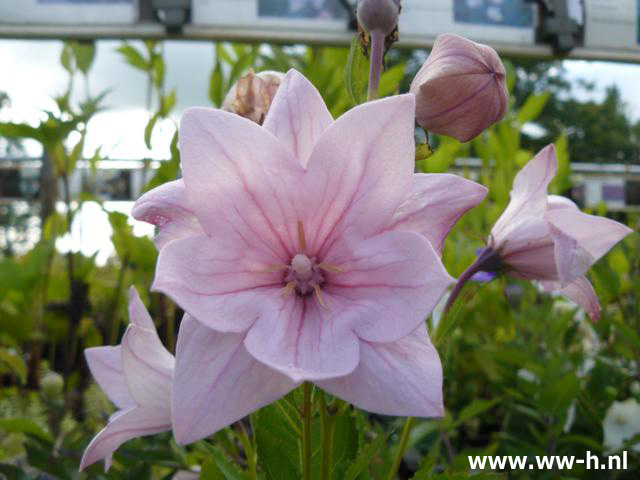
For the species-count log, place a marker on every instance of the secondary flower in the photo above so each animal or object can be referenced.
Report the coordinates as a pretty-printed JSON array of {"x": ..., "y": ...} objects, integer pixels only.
[
  {"x": 461, "y": 89},
  {"x": 136, "y": 376},
  {"x": 315, "y": 257},
  {"x": 252, "y": 94},
  {"x": 547, "y": 238},
  {"x": 621, "y": 423}
]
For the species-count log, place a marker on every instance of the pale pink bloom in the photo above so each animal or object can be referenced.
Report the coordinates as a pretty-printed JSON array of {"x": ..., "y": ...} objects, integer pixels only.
[
  {"x": 318, "y": 258},
  {"x": 252, "y": 94},
  {"x": 547, "y": 238},
  {"x": 136, "y": 376},
  {"x": 461, "y": 88}
]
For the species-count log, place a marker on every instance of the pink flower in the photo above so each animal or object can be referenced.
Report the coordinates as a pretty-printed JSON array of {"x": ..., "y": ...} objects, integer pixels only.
[
  {"x": 252, "y": 94},
  {"x": 136, "y": 376},
  {"x": 461, "y": 89},
  {"x": 548, "y": 238},
  {"x": 317, "y": 258}
]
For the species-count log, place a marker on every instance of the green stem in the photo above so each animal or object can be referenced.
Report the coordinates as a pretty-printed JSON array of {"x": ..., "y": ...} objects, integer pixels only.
[
  {"x": 306, "y": 432},
  {"x": 375, "y": 69},
  {"x": 328, "y": 424},
  {"x": 402, "y": 446},
  {"x": 249, "y": 451}
]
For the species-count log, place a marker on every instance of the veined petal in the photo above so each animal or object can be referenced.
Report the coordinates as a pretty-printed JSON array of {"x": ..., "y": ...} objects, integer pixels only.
[
  {"x": 167, "y": 208},
  {"x": 581, "y": 239},
  {"x": 305, "y": 341},
  {"x": 138, "y": 314},
  {"x": 402, "y": 378},
  {"x": 389, "y": 284},
  {"x": 298, "y": 115},
  {"x": 148, "y": 368},
  {"x": 360, "y": 171},
  {"x": 225, "y": 286},
  {"x": 529, "y": 192},
  {"x": 217, "y": 382},
  {"x": 243, "y": 183},
  {"x": 127, "y": 424},
  {"x": 105, "y": 364},
  {"x": 435, "y": 204},
  {"x": 581, "y": 292}
]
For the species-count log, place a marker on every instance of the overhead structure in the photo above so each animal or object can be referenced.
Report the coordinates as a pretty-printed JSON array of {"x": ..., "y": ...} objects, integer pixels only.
[{"x": 589, "y": 29}]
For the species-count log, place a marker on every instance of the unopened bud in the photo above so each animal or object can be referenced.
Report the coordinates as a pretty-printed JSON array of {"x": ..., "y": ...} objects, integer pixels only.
[
  {"x": 379, "y": 15},
  {"x": 52, "y": 385},
  {"x": 461, "y": 89},
  {"x": 252, "y": 94}
]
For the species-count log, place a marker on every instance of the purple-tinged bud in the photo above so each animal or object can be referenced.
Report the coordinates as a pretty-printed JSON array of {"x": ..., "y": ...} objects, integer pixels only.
[
  {"x": 379, "y": 15},
  {"x": 252, "y": 95},
  {"x": 461, "y": 89}
]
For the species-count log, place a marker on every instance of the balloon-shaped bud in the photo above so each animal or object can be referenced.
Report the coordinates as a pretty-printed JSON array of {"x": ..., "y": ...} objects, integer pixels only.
[
  {"x": 461, "y": 89},
  {"x": 379, "y": 15},
  {"x": 252, "y": 94}
]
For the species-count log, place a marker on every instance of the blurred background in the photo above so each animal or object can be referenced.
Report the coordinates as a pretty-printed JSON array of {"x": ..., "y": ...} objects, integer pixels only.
[{"x": 88, "y": 124}]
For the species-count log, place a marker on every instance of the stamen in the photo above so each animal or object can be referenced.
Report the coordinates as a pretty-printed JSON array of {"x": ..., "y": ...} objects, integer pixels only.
[
  {"x": 318, "y": 292},
  {"x": 286, "y": 291},
  {"x": 327, "y": 267},
  {"x": 301, "y": 238}
]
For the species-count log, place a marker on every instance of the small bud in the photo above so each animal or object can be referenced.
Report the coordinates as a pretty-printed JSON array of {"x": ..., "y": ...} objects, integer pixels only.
[
  {"x": 378, "y": 15},
  {"x": 52, "y": 385},
  {"x": 252, "y": 95},
  {"x": 461, "y": 89}
]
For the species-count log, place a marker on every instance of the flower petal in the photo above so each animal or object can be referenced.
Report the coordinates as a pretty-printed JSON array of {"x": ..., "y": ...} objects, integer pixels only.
[
  {"x": 148, "y": 368},
  {"x": 401, "y": 378},
  {"x": 225, "y": 286},
  {"x": 138, "y": 314},
  {"x": 581, "y": 239},
  {"x": 125, "y": 425},
  {"x": 298, "y": 115},
  {"x": 217, "y": 382},
  {"x": 580, "y": 291},
  {"x": 435, "y": 204},
  {"x": 167, "y": 208},
  {"x": 360, "y": 171},
  {"x": 389, "y": 285},
  {"x": 529, "y": 193},
  {"x": 305, "y": 341},
  {"x": 241, "y": 181},
  {"x": 105, "y": 364}
]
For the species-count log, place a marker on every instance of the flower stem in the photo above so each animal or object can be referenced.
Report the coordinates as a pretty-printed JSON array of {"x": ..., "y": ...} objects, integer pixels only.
[
  {"x": 306, "y": 432},
  {"x": 248, "y": 450},
  {"x": 328, "y": 424},
  {"x": 402, "y": 446},
  {"x": 375, "y": 69}
]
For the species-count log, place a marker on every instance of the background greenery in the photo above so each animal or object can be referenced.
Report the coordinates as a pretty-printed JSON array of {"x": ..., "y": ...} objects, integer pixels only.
[{"x": 525, "y": 372}]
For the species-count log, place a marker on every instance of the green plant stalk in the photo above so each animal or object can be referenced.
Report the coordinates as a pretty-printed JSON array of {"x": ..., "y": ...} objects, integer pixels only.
[
  {"x": 252, "y": 458},
  {"x": 306, "y": 432},
  {"x": 375, "y": 68},
  {"x": 402, "y": 446},
  {"x": 328, "y": 428}
]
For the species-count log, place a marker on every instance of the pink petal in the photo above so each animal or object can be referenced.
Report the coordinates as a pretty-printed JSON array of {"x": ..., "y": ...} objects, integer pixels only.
[
  {"x": 217, "y": 382},
  {"x": 529, "y": 193},
  {"x": 580, "y": 291},
  {"x": 125, "y": 425},
  {"x": 105, "y": 364},
  {"x": 243, "y": 183},
  {"x": 305, "y": 341},
  {"x": 167, "y": 208},
  {"x": 298, "y": 115},
  {"x": 148, "y": 368},
  {"x": 389, "y": 285},
  {"x": 401, "y": 378},
  {"x": 138, "y": 314},
  {"x": 581, "y": 239},
  {"x": 435, "y": 204},
  {"x": 225, "y": 286},
  {"x": 360, "y": 171}
]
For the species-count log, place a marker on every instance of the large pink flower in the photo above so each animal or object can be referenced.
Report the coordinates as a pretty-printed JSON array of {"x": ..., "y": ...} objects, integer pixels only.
[
  {"x": 136, "y": 376},
  {"x": 305, "y": 249},
  {"x": 547, "y": 238}
]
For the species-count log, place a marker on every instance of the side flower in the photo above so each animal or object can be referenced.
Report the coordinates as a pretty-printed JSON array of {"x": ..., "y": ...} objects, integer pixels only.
[{"x": 136, "y": 376}]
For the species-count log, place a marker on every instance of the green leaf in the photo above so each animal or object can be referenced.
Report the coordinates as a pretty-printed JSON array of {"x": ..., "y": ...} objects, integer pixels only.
[
  {"x": 25, "y": 425},
  {"x": 473, "y": 409},
  {"x": 148, "y": 130},
  {"x": 216, "y": 95},
  {"x": 14, "y": 364},
  {"x": 168, "y": 102},
  {"x": 277, "y": 443},
  {"x": 365, "y": 455},
  {"x": 228, "y": 469},
  {"x": 85, "y": 53},
  {"x": 356, "y": 75},
  {"x": 158, "y": 70},
  {"x": 133, "y": 57},
  {"x": 390, "y": 80},
  {"x": 66, "y": 57},
  {"x": 532, "y": 107},
  {"x": 210, "y": 471},
  {"x": 561, "y": 182}
]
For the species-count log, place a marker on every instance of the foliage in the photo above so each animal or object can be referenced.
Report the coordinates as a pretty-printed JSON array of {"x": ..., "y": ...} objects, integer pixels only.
[{"x": 525, "y": 372}]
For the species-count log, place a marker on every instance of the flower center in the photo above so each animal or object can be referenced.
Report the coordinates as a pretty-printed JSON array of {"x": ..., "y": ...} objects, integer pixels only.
[{"x": 304, "y": 274}]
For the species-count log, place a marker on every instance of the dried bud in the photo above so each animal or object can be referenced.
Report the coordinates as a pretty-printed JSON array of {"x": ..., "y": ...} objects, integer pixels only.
[
  {"x": 461, "y": 89},
  {"x": 378, "y": 15},
  {"x": 252, "y": 94}
]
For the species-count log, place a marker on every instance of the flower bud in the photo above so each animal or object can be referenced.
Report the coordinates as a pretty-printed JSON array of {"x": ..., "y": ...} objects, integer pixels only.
[
  {"x": 52, "y": 385},
  {"x": 252, "y": 94},
  {"x": 378, "y": 15},
  {"x": 461, "y": 89}
]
